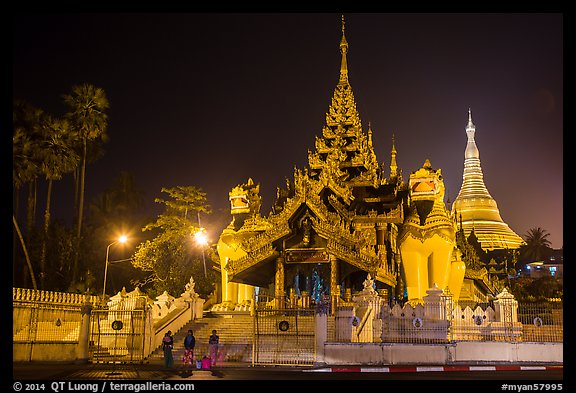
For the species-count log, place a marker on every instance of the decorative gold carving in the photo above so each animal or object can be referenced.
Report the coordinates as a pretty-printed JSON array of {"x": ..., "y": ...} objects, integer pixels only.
[
  {"x": 307, "y": 255},
  {"x": 343, "y": 159},
  {"x": 245, "y": 198},
  {"x": 279, "y": 283},
  {"x": 428, "y": 185},
  {"x": 251, "y": 259}
]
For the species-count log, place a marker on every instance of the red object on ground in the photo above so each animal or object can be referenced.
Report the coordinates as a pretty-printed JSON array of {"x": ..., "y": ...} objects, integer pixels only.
[{"x": 206, "y": 363}]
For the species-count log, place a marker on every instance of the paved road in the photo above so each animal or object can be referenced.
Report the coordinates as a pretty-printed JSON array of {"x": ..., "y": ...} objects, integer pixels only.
[{"x": 498, "y": 374}]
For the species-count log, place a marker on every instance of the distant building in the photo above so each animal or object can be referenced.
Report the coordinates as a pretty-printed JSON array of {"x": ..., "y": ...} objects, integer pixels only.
[{"x": 553, "y": 266}]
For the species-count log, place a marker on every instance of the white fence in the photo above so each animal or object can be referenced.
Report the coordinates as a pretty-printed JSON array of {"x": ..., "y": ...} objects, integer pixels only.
[
  {"x": 438, "y": 320},
  {"x": 58, "y": 326}
]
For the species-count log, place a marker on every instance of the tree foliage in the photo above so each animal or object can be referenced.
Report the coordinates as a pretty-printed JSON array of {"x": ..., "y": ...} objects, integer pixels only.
[
  {"x": 537, "y": 247},
  {"x": 172, "y": 257},
  {"x": 537, "y": 289}
]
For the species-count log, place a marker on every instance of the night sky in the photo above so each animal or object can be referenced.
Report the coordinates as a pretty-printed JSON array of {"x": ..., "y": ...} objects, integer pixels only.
[{"x": 212, "y": 99}]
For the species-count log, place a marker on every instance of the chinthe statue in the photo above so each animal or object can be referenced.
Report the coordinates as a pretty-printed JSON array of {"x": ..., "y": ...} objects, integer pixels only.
[
  {"x": 245, "y": 202},
  {"x": 427, "y": 239}
]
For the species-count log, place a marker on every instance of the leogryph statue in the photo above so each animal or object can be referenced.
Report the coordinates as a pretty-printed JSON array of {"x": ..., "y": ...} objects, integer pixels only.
[
  {"x": 427, "y": 239},
  {"x": 245, "y": 202}
]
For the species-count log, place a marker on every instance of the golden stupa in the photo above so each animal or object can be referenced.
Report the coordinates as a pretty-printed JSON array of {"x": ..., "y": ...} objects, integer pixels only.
[{"x": 475, "y": 209}]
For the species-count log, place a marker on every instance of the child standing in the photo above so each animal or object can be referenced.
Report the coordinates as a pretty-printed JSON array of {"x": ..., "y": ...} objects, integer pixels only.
[
  {"x": 189, "y": 344},
  {"x": 213, "y": 342}
]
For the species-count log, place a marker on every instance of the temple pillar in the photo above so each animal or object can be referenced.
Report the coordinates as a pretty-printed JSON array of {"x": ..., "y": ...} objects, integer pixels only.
[
  {"x": 229, "y": 289},
  {"x": 380, "y": 233},
  {"x": 400, "y": 279},
  {"x": 334, "y": 287},
  {"x": 245, "y": 293},
  {"x": 348, "y": 294},
  {"x": 381, "y": 246},
  {"x": 279, "y": 283}
]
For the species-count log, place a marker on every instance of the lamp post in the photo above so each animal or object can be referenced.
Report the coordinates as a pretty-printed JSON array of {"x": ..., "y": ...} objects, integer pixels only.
[
  {"x": 201, "y": 240},
  {"x": 121, "y": 239}
]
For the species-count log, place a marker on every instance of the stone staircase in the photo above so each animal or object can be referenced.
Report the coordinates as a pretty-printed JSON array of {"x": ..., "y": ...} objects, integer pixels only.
[
  {"x": 235, "y": 338},
  {"x": 49, "y": 331}
]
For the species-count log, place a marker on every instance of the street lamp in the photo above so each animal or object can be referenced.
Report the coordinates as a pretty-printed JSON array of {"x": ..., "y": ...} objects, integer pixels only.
[
  {"x": 121, "y": 239},
  {"x": 201, "y": 240}
]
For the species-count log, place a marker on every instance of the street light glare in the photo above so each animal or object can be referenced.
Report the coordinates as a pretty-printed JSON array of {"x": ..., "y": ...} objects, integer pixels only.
[
  {"x": 201, "y": 238},
  {"x": 122, "y": 239}
]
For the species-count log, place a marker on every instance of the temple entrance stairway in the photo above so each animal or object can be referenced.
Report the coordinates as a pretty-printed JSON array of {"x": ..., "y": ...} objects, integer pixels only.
[{"x": 235, "y": 331}]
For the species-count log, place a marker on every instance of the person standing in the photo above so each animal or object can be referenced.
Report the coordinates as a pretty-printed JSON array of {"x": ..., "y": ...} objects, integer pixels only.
[
  {"x": 189, "y": 344},
  {"x": 167, "y": 345},
  {"x": 213, "y": 342}
]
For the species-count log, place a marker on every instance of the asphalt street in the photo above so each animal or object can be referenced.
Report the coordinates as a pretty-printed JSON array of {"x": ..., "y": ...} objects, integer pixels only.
[{"x": 50, "y": 372}]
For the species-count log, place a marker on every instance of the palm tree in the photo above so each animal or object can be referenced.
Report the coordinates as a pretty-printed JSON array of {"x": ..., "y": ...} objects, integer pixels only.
[
  {"x": 537, "y": 245},
  {"x": 25, "y": 169},
  {"x": 87, "y": 105},
  {"x": 57, "y": 157}
]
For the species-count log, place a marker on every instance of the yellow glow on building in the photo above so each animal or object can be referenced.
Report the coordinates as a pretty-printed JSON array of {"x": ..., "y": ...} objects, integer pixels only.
[{"x": 474, "y": 207}]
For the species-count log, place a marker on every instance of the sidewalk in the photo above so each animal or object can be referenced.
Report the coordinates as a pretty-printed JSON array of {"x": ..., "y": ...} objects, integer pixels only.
[{"x": 153, "y": 370}]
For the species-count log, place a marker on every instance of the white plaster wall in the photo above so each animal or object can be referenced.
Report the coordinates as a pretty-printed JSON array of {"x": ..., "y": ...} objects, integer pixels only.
[
  {"x": 419, "y": 354},
  {"x": 545, "y": 352},
  {"x": 441, "y": 354},
  {"x": 486, "y": 350}
]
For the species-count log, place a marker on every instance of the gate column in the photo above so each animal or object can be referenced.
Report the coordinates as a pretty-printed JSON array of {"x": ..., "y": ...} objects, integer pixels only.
[
  {"x": 84, "y": 335},
  {"x": 334, "y": 287},
  {"x": 279, "y": 283},
  {"x": 320, "y": 336}
]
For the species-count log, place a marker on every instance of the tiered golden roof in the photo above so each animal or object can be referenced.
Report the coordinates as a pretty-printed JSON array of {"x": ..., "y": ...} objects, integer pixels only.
[
  {"x": 344, "y": 152},
  {"x": 341, "y": 200}
]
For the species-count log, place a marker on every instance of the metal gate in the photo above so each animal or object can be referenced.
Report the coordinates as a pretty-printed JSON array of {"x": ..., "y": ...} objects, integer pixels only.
[
  {"x": 284, "y": 337},
  {"x": 117, "y": 335}
]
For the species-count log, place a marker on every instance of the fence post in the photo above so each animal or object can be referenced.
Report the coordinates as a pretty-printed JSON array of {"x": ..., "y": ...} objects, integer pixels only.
[
  {"x": 434, "y": 307},
  {"x": 507, "y": 313},
  {"x": 84, "y": 335},
  {"x": 506, "y": 307},
  {"x": 367, "y": 308},
  {"x": 321, "y": 330}
]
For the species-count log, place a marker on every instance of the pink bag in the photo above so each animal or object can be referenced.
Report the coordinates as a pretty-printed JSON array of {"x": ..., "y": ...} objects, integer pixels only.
[{"x": 206, "y": 363}]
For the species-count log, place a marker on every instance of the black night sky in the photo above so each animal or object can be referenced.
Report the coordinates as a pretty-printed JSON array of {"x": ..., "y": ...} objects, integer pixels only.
[{"x": 211, "y": 99}]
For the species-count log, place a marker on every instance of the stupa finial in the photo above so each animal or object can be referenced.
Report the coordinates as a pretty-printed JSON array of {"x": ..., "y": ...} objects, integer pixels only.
[
  {"x": 344, "y": 51},
  {"x": 393, "y": 164},
  {"x": 470, "y": 125}
]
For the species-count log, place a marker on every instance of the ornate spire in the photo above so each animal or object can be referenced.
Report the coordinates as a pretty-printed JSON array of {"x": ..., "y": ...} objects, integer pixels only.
[
  {"x": 393, "y": 164},
  {"x": 479, "y": 212},
  {"x": 343, "y": 144},
  {"x": 471, "y": 149},
  {"x": 470, "y": 125},
  {"x": 370, "y": 145},
  {"x": 344, "y": 51}
]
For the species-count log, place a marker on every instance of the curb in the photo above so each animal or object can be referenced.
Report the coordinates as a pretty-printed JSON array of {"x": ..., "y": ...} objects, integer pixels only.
[{"x": 413, "y": 369}]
